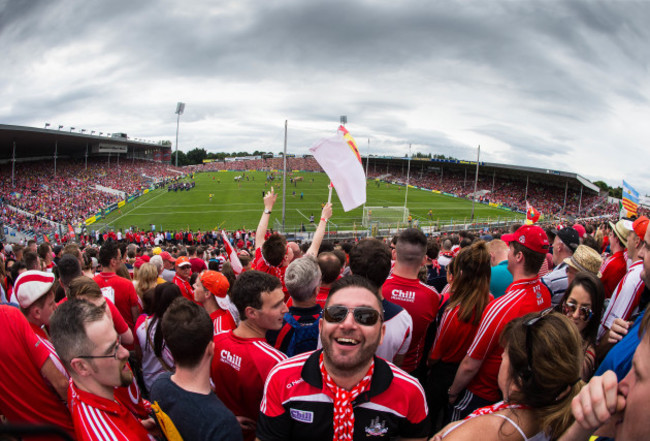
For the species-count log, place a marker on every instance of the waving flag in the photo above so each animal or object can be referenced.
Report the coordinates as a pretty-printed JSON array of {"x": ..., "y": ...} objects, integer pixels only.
[
  {"x": 235, "y": 263},
  {"x": 532, "y": 215},
  {"x": 339, "y": 157},
  {"x": 630, "y": 199}
]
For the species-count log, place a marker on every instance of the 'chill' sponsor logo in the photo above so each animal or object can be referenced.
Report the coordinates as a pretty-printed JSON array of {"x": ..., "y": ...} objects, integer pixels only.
[
  {"x": 403, "y": 296},
  {"x": 232, "y": 360},
  {"x": 303, "y": 416}
]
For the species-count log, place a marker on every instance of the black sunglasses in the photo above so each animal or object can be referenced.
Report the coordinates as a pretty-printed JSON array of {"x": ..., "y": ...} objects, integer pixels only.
[
  {"x": 528, "y": 324},
  {"x": 584, "y": 313},
  {"x": 363, "y": 315}
]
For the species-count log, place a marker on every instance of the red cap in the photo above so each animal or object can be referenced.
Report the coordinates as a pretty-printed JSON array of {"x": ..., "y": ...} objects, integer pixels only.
[
  {"x": 530, "y": 236},
  {"x": 168, "y": 257},
  {"x": 138, "y": 262},
  {"x": 640, "y": 226},
  {"x": 145, "y": 258},
  {"x": 581, "y": 230},
  {"x": 183, "y": 260}
]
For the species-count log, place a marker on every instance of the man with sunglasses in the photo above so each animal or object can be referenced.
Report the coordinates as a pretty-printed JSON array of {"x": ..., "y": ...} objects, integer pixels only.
[
  {"x": 90, "y": 349},
  {"x": 344, "y": 391},
  {"x": 475, "y": 384}
]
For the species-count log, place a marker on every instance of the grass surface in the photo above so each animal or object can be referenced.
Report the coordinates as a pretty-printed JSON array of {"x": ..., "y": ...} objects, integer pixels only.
[{"x": 240, "y": 205}]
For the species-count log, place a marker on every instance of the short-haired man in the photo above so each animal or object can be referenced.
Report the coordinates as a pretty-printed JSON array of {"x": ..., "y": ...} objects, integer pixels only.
[
  {"x": 330, "y": 267},
  {"x": 371, "y": 258},
  {"x": 90, "y": 349},
  {"x": 242, "y": 357},
  {"x": 500, "y": 278},
  {"x": 32, "y": 261},
  {"x": 117, "y": 289},
  {"x": 404, "y": 288},
  {"x": 564, "y": 245},
  {"x": 186, "y": 395},
  {"x": 182, "y": 277},
  {"x": 627, "y": 294},
  {"x": 475, "y": 384},
  {"x": 615, "y": 266},
  {"x": 211, "y": 292},
  {"x": 169, "y": 263},
  {"x": 45, "y": 254},
  {"x": 344, "y": 392},
  {"x": 299, "y": 332}
]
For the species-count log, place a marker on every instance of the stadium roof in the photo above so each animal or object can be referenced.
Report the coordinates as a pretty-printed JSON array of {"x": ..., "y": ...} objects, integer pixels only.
[
  {"x": 546, "y": 175},
  {"x": 35, "y": 143}
]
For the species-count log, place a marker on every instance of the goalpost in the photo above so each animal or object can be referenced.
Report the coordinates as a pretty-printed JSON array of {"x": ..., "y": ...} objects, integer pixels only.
[{"x": 384, "y": 216}]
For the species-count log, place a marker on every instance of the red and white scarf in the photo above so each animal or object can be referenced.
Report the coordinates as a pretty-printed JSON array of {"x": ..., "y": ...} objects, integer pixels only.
[
  {"x": 501, "y": 405},
  {"x": 343, "y": 412}
]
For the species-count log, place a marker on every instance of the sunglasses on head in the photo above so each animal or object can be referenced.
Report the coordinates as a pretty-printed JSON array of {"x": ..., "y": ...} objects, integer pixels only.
[
  {"x": 584, "y": 313},
  {"x": 363, "y": 315},
  {"x": 528, "y": 324}
]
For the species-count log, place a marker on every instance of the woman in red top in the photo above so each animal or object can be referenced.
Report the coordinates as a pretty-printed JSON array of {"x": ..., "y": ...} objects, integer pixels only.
[{"x": 469, "y": 295}]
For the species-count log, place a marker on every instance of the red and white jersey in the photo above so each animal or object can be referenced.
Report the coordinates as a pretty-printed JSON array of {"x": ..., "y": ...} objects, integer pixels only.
[
  {"x": 25, "y": 397},
  {"x": 121, "y": 292},
  {"x": 613, "y": 269},
  {"x": 185, "y": 287},
  {"x": 223, "y": 321},
  {"x": 421, "y": 301},
  {"x": 522, "y": 297},
  {"x": 98, "y": 419},
  {"x": 239, "y": 369},
  {"x": 45, "y": 341},
  {"x": 625, "y": 298}
]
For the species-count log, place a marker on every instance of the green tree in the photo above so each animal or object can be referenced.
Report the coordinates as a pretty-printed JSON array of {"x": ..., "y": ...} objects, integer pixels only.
[
  {"x": 182, "y": 159},
  {"x": 196, "y": 156}
]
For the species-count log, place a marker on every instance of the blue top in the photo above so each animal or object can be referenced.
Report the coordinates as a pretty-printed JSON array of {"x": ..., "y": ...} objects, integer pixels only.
[
  {"x": 500, "y": 280},
  {"x": 619, "y": 358}
]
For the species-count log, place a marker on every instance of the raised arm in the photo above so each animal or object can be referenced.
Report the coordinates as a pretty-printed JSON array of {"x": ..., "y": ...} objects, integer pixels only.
[
  {"x": 269, "y": 200},
  {"x": 325, "y": 215}
]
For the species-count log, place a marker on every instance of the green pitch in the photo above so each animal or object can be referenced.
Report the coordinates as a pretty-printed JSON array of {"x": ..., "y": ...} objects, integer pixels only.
[{"x": 236, "y": 205}]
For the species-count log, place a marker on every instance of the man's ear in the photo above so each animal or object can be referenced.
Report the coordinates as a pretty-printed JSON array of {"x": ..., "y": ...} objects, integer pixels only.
[
  {"x": 81, "y": 367},
  {"x": 250, "y": 312}
]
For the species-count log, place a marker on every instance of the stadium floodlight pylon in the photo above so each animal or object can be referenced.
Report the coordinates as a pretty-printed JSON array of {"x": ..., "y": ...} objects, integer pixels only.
[{"x": 384, "y": 216}]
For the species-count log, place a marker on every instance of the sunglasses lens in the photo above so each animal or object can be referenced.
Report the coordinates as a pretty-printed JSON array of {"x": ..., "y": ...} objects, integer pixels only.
[
  {"x": 366, "y": 316},
  {"x": 335, "y": 314}
]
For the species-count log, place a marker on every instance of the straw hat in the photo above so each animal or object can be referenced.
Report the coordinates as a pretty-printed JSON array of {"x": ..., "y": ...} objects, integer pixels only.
[
  {"x": 585, "y": 259},
  {"x": 622, "y": 230}
]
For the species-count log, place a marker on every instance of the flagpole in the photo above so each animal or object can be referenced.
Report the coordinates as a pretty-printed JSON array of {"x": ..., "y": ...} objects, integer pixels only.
[
  {"x": 408, "y": 178},
  {"x": 478, "y": 156},
  {"x": 367, "y": 162},
  {"x": 284, "y": 176}
]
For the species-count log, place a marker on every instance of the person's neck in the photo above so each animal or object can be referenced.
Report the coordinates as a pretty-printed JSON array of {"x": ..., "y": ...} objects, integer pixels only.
[
  {"x": 405, "y": 271},
  {"x": 519, "y": 274},
  {"x": 249, "y": 329},
  {"x": 344, "y": 378},
  {"x": 210, "y": 306},
  {"x": 196, "y": 379},
  {"x": 107, "y": 269},
  {"x": 94, "y": 388},
  {"x": 309, "y": 303}
]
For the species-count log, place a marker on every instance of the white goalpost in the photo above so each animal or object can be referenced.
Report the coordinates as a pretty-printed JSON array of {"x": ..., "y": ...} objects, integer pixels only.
[{"x": 384, "y": 215}]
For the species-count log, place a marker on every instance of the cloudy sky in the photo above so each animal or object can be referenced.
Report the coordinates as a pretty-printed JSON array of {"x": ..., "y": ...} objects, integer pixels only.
[{"x": 553, "y": 84}]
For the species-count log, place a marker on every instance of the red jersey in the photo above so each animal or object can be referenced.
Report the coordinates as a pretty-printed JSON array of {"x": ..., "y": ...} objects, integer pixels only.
[
  {"x": 186, "y": 288},
  {"x": 522, "y": 297},
  {"x": 239, "y": 369},
  {"x": 453, "y": 337},
  {"x": 613, "y": 269},
  {"x": 121, "y": 292},
  {"x": 321, "y": 297},
  {"x": 625, "y": 298},
  {"x": 98, "y": 419},
  {"x": 223, "y": 321},
  {"x": 25, "y": 397},
  {"x": 421, "y": 301}
]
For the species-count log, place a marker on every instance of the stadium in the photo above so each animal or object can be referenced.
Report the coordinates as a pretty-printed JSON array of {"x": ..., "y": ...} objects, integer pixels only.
[{"x": 54, "y": 182}]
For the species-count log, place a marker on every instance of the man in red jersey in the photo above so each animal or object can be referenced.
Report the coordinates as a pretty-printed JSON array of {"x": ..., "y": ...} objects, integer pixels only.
[
  {"x": 90, "y": 349},
  {"x": 405, "y": 289},
  {"x": 615, "y": 266},
  {"x": 344, "y": 392},
  {"x": 475, "y": 384},
  {"x": 26, "y": 369},
  {"x": 242, "y": 357},
  {"x": 182, "y": 277},
  {"x": 115, "y": 288},
  {"x": 211, "y": 292},
  {"x": 198, "y": 264}
]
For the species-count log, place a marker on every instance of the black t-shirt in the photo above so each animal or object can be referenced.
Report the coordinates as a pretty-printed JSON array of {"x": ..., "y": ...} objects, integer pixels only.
[{"x": 196, "y": 416}]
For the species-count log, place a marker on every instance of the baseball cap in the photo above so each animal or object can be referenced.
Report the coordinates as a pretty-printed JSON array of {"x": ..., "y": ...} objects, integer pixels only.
[
  {"x": 31, "y": 285},
  {"x": 168, "y": 257},
  {"x": 218, "y": 285},
  {"x": 530, "y": 236},
  {"x": 139, "y": 261},
  {"x": 582, "y": 232},
  {"x": 183, "y": 260},
  {"x": 640, "y": 226},
  {"x": 569, "y": 236}
]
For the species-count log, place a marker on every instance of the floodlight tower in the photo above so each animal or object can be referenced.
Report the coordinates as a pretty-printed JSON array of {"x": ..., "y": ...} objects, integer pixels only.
[{"x": 180, "y": 108}]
